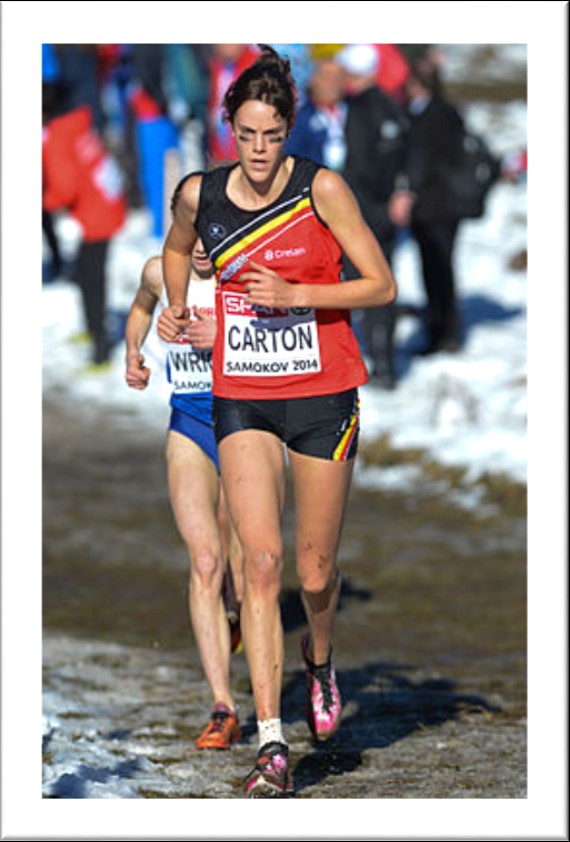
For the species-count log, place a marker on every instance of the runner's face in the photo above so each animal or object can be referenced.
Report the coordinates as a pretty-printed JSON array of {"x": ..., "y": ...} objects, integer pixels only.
[
  {"x": 260, "y": 134},
  {"x": 200, "y": 260}
]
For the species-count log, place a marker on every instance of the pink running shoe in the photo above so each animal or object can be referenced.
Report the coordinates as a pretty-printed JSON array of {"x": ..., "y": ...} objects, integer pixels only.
[
  {"x": 323, "y": 698},
  {"x": 270, "y": 777}
]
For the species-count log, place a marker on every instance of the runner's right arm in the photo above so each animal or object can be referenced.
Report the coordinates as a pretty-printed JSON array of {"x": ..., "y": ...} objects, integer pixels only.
[
  {"x": 176, "y": 254},
  {"x": 139, "y": 321}
]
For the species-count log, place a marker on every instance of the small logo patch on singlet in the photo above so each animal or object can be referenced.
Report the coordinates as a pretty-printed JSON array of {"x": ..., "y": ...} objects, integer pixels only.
[{"x": 216, "y": 231}]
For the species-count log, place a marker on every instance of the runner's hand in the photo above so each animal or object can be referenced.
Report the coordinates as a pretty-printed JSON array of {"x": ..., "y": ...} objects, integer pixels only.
[
  {"x": 137, "y": 374},
  {"x": 266, "y": 288},
  {"x": 202, "y": 329},
  {"x": 172, "y": 321}
]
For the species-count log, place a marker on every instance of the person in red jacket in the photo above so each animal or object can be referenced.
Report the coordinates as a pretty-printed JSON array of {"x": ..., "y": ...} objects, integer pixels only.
[
  {"x": 81, "y": 178},
  {"x": 393, "y": 71}
]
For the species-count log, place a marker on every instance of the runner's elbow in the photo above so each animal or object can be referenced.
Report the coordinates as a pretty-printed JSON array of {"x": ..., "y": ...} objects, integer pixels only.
[
  {"x": 392, "y": 292},
  {"x": 387, "y": 291}
]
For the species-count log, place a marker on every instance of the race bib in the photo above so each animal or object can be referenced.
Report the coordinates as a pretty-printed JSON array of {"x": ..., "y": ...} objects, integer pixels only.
[
  {"x": 189, "y": 369},
  {"x": 266, "y": 342}
]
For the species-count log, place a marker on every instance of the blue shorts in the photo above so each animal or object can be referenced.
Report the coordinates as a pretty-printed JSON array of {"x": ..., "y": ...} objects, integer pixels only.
[{"x": 200, "y": 432}]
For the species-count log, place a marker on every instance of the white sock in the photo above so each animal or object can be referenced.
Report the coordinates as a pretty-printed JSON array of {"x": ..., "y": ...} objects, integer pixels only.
[{"x": 269, "y": 731}]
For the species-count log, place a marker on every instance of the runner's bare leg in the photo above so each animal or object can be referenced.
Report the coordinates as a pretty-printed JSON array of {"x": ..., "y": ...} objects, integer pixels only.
[
  {"x": 321, "y": 495},
  {"x": 253, "y": 471},
  {"x": 194, "y": 493}
]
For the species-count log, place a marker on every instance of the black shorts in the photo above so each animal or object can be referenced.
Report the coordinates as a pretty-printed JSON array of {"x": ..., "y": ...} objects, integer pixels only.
[{"x": 325, "y": 426}]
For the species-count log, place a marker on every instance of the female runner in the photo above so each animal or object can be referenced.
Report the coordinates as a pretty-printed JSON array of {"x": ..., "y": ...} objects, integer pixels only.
[
  {"x": 197, "y": 502},
  {"x": 286, "y": 374}
]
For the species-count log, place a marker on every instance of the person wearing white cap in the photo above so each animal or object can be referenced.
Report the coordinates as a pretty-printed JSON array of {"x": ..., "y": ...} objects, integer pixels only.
[
  {"x": 360, "y": 60},
  {"x": 376, "y": 132}
]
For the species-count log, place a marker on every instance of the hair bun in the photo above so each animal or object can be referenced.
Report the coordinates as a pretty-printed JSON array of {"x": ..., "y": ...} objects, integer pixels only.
[{"x": 271, "y": 58}]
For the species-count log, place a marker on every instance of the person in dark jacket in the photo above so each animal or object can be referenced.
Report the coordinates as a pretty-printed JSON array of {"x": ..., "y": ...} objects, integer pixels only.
[
  {"x": 435, "y": 149},
  {"x": 376, "y": 146},
  {"x": 318, "y": 131}
]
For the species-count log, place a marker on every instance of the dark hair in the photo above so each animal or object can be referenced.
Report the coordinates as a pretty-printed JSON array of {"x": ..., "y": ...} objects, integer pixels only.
[
  {"x": 427, "y": 74},
  {"x": 269, "y": 80}
]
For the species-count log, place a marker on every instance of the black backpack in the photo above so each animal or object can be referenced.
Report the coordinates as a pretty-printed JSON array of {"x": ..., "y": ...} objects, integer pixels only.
[{"x": 470, "y": 179}]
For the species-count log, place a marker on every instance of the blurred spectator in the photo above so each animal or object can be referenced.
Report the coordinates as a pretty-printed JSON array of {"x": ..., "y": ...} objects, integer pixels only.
[
  {"x": 187, "y": 82},
  {"x": 515, "y": 167},
  {"x": 376, "y": 137},
  {"x": 115, "y": 72},
  {"x": 187, "y": 91},
  {"x": 226, "y": 63},
  {"x": 149, "y": 68},
  {"x": 426, "y": 55},
  {"x": 318, "y": 131},
  {"x": 53, "y": 267},
  {"x": 393, "y": 71},
  {"x": 436, "y": 147},
  {"x": 75, "y": 68},
  {"x": 154, "y": 134},
  {"x": 301, "y": 66},
  {"x": 322, "y": 51},
  {"x": 79, "y": 177},
  {"x": 50, "y": 65},
  {"x": 79, "y": 81}
]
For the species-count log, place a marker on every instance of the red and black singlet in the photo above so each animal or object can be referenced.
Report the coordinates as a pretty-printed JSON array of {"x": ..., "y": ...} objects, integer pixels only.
[{"x": 263, "y": 353}]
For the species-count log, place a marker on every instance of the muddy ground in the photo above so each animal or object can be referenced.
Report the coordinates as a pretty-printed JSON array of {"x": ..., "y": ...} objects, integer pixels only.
[{"x": 430, "y": 642}]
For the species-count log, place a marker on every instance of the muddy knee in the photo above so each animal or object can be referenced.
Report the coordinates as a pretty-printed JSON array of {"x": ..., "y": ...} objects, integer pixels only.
[
  {"x": 320, "y": 583},
  {"x": 262, "y": 573}
]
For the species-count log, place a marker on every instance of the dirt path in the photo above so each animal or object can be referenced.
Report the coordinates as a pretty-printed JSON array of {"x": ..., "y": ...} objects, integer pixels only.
[{"x": 430, "y": 641}]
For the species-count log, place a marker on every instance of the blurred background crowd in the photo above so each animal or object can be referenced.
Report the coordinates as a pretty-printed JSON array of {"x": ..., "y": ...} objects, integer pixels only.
[{"x": 123, "y": 122}]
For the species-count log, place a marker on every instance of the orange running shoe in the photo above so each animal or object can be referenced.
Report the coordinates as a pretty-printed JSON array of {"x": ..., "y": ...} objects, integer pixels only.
[{"x": 222, "y": 730}]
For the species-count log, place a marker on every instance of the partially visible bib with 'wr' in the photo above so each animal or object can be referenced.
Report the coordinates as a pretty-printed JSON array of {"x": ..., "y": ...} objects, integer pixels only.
[{"x": 189, "y": 369}]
